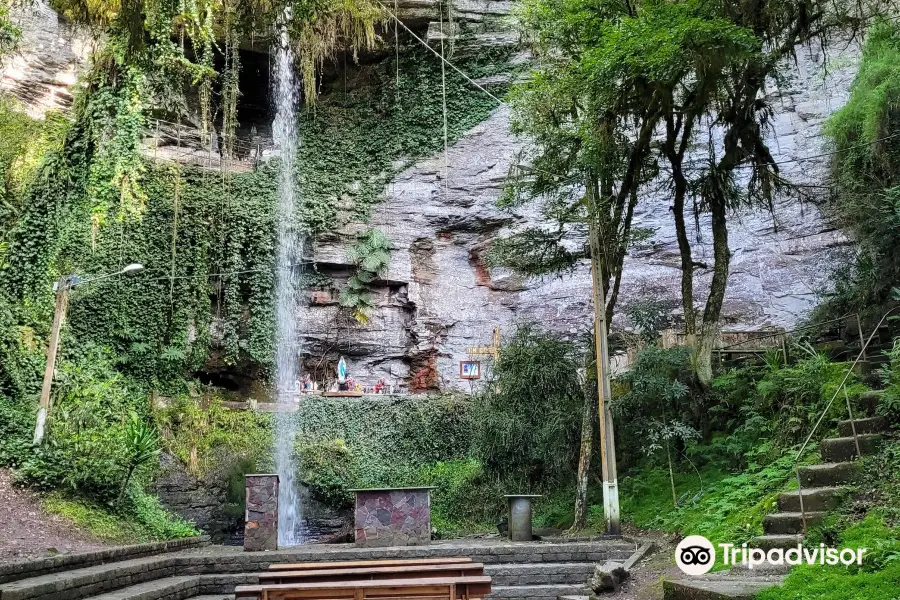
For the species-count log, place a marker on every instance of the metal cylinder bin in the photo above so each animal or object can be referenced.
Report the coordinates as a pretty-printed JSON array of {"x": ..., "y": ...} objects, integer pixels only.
[{"x": 520, "y": 516}]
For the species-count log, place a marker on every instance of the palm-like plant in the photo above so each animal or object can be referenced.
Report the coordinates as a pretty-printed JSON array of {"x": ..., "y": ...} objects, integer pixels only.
[
  {"x": 142, "y": 443},
  {"x": 371, "y": 254}
]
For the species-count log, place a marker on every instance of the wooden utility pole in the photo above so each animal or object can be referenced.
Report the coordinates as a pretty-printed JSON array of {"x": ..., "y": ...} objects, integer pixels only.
[
  {"x": 59, "y": 317},
  {"x": 607, "y": 437}
]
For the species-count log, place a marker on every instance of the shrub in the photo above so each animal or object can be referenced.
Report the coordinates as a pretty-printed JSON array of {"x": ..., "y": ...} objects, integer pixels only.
[
  {"x": 528, "y": 417},
  {"x": 794, "y": 397},
  {"x": 463, "y": 499},
  {"x": 657, "y": 408},
  {"x": 327, "y": 468},
  {"x": 890, "y": 378}
]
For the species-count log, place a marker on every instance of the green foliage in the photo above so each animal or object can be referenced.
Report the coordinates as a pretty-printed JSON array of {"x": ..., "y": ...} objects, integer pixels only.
[
  {"x": 208, "y": 438},
  {"x": 364, "y": 132},
  {"x": 658, "y": 407},
  {"x": 866, "y": 178},
  {"x": 141, "y": 447},
  {"x": 370, "y": 254},
  {"x": 368, "y": 442},
  {"x": 722, "y": 507},
  {"x": 464, "y": 500},
  {"x": 86, "y": 449},
  {"x": 889, "y": 404},
  {"x": 145, "y": 520},
  {"x": 528, "y": 416},
  {"x": 9, "y": 33},
  {"x": 327, "y": 467},
  {"x": 794, "y": 397},
  {"x": 877, "y": 579}
]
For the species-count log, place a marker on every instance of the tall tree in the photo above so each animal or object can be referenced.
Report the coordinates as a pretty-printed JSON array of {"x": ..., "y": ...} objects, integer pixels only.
[
  {"x": 583, "y": 168},
  {"x": 625, "y": 92}
]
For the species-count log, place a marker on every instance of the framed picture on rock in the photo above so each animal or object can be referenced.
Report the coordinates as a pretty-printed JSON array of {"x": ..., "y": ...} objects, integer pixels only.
[{"x": 469, "y": 369}]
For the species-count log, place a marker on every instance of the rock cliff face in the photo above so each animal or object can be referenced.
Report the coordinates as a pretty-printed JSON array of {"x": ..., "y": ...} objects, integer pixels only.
[
  {"x": 43, "y": 71},
  {"x": 439, "y": 299}
]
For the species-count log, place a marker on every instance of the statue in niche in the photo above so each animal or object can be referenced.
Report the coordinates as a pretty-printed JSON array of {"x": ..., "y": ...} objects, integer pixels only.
[{"x": 342, "y": 375}]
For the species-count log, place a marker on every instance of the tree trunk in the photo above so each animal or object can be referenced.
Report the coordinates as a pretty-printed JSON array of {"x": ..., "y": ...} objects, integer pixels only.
[
  {"x": 713, "y": 309},
  {"x": 687, "y": 260},
  {"x": 584, "y": 457}
]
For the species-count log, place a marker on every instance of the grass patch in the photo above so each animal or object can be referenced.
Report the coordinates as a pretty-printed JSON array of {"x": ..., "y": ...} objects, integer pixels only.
[
  {"x": 877, "y": 579},
  {"x": 145, "y": 521},
  {"x": 728, "y": 508}
]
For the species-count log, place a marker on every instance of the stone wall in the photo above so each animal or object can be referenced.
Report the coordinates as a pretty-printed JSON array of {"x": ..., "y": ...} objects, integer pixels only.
[
  {"x": 42, "y": 73},
  {"x": 261, "y": 527},
  {"x": 393, "y": 517}
]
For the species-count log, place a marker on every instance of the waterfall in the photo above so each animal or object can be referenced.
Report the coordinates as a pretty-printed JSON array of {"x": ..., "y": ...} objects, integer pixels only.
[{"x": 284, "y": 132}]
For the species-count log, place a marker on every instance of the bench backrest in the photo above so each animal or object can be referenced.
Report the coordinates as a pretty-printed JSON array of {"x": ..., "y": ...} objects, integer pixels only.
[
  {"x": 325, "y": 573},
  {"x": 353, "y": 564},
  {"x": 426, "y": 588}
]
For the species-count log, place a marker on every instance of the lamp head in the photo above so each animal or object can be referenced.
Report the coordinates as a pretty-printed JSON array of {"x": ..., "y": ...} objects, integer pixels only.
[{"x": 132, "y": 268}]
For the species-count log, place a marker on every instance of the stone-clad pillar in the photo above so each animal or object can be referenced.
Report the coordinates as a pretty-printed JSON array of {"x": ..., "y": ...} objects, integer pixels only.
[{"x": 261, "y": 516}]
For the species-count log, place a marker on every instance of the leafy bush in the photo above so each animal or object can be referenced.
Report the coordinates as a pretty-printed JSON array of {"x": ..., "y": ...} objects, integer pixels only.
[
  {"x": 528, "y": 416},
  {"x": 327, "y": 468},
  {"x": 463, "y": 500},
  {"x": 722, "y": 507},
  {"x": 866, "y": 178},
  {"x": 794, "y": 397},
  {"x": 87, "y": 449},
  {"x": 657, "y": 409},
  {"x": 207, "y": 438},
  {"x": 890, "y": 378},
  {"x": 371, "y": 254}
]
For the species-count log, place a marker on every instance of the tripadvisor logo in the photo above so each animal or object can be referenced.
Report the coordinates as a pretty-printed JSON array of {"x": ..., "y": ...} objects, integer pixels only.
[{"x": 695, "y": 555}]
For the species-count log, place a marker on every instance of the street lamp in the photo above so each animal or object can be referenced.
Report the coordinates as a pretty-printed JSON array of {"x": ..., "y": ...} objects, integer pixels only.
[{"x": 62, "y": 287}]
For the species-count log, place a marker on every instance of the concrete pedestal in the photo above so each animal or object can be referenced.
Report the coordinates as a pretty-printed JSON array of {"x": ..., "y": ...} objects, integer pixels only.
[
  {"x": 520, "y": 516},
  {"x": 261, "y": 516}
]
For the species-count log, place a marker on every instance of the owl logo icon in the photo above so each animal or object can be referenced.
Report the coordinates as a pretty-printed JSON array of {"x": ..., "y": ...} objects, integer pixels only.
[{"x": 695, "y": 555}]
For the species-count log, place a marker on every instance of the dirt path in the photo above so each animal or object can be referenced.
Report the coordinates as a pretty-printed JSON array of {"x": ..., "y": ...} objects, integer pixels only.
[
  {"x": 26, "y": 531},
  {"x": 645, "y": 582}
]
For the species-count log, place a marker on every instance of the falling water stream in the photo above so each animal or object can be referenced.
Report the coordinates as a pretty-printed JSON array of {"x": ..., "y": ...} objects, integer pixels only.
[{"x": 284, "y": 132}]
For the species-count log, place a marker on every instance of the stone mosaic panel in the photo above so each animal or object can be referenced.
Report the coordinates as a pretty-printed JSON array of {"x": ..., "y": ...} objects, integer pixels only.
[
  {"x": 393, "y": 517},
  {"x": 261, "y": 516}
]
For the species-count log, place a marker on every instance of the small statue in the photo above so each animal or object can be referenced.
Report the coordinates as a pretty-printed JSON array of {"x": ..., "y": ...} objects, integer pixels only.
[
  {"x": 342, "y": 375},
  {"x": 379, "y": 387}
]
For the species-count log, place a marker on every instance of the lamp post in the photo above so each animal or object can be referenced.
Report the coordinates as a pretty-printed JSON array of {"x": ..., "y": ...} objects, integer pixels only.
[{"x": 62, "y": 287}]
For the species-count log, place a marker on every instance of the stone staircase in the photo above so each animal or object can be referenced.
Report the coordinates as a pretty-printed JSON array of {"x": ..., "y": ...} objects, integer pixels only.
[
  {"x": 823, "y": 486},
  {"x": 535, "y": 570}
]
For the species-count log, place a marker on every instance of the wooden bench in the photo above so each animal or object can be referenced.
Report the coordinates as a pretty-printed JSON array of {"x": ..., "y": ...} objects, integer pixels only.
[
  {"x": 426, "y": 588},
  {"x": 368, "y": 563},
  {"x": 326, "y": 573}
]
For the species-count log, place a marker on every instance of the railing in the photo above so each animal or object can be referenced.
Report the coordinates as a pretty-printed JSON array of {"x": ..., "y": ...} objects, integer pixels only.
[{"x": 840, "y": 388}]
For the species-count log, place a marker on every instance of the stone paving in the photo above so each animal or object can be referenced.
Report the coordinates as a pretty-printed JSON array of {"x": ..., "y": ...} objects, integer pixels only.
[{"x": 544, "y": 569}]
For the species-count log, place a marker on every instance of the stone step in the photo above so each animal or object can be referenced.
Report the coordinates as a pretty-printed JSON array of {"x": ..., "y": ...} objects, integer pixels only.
[
  {"x": 88, "y": 581},
  {"x": 783, "y": 540},
  {"x": 829, "y": 474},
  {"x": 168, "y": 588},
  {"x": 789, "y": 523},
  {"x": 863, "y": 426},
  {"x": 539, "y": 573},
  {"x": 715, "y": 589},
  {"x": 820, "y": 499},
  {"x": 213, "y": 597},
  {"x": 844, "y": 448},
  {"x": 522, "y": 592},
  {"x": 868, "y": 401}
]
